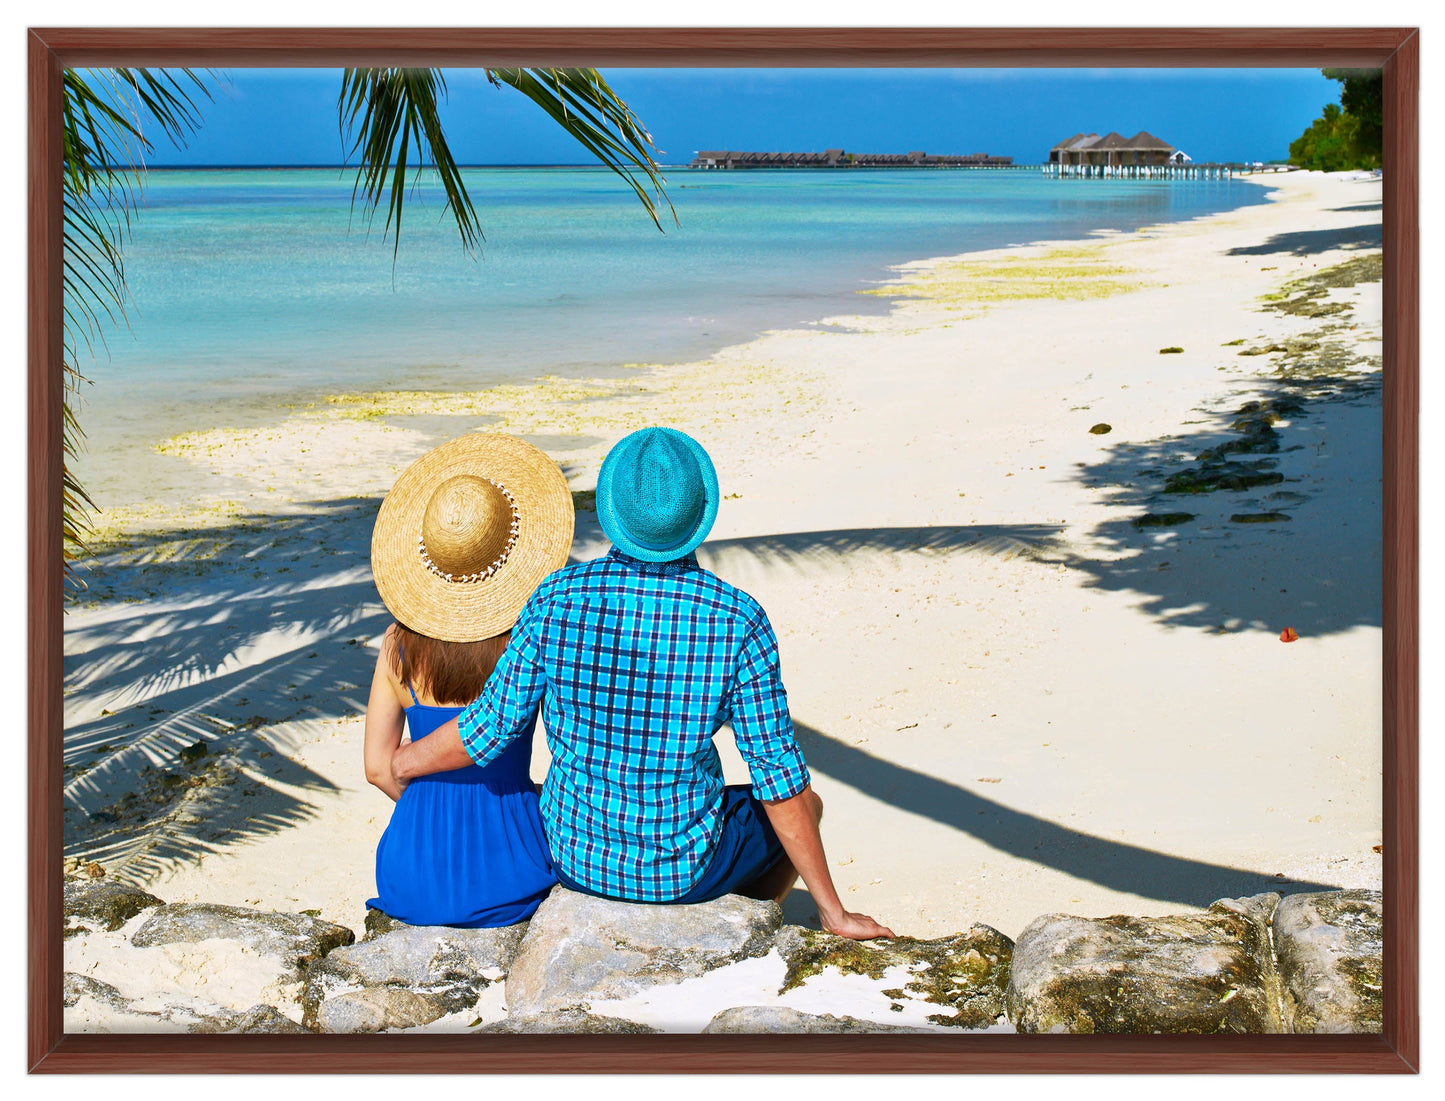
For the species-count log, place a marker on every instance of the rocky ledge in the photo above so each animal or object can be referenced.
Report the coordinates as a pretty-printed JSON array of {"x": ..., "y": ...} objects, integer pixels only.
[{"x": 1304, "y": 963}]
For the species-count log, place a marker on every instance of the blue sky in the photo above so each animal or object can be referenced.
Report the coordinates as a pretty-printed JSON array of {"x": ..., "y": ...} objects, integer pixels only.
[{"x": 288, "y": 116}]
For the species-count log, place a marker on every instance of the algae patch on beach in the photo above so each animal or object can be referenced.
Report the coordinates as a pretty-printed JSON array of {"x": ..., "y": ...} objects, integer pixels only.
[
  {"x": 1308, "y": 296},
  {"x": 1063, "y": 274}
]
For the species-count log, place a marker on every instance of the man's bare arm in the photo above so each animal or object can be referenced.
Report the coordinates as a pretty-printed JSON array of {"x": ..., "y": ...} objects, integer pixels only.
[
  {"x": 439, "y": 751},
  {"x": 795, "y": 821}
]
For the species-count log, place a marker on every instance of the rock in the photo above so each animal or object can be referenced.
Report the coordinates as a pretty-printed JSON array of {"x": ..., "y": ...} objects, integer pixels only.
[
  {"x": 1203, "y": 973},
  {"x": 1101, "y": 429},
  {"x": 965, "y": 975},
  {"x": 257, "y": 1019},
  {"x": 1331, "y": 950},
  {"x": 375, "y": 1008},
  {"x": 579, "y": 948},
  {"x": 565, "y": 1020},
  {"x": 378, "y": 922},
  {"x": 295, "y": 938},
  {"x": 73, "y": 987},
  {"x": 779, "y": 1018},
  {"x": 451, "y": 966},
  {"x": 91, "y": 1005},
  {"x": 103, "y": 905}
]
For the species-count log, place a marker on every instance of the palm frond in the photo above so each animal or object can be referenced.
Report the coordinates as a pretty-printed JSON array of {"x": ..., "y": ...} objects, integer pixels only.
[
  {"x": 584, "y": 105},
  {"x": 395, "y": 116},
  {"x": 103, "y": 146},
  {"x": 393, "y": 111}
]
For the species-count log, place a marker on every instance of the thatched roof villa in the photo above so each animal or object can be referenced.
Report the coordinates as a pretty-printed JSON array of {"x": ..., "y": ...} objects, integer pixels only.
[{"x": 1112, "y": 150}]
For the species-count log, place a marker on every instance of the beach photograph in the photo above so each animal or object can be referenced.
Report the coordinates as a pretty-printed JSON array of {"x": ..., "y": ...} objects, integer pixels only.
[{"x": 1045, "y": 411}]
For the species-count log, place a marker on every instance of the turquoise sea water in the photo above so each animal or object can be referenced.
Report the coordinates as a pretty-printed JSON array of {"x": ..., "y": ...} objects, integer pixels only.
[{"x": 263, "y": 282}]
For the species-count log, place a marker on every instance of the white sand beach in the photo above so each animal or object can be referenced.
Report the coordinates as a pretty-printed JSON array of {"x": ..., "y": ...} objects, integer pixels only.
[{"x": 1013, "y": 699}]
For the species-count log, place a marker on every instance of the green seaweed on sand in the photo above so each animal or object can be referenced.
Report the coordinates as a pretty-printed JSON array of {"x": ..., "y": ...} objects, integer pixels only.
[
  {"x": 1234, "y": 476},
  {"x": 1258, "y": 518},
  {"x": 1062, "y": 274},
  {"x": 1163, "y": 519},
  {"x": 1308, "y": 296},
  {"x": 1173, "y": 349}
]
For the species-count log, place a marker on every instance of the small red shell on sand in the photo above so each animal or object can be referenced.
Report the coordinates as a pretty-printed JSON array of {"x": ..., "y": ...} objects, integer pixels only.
[{"x": 1288, "y": 635}]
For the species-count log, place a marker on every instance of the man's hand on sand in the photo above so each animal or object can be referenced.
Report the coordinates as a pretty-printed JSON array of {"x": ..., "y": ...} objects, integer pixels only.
[{"x": 856, "y": 927}]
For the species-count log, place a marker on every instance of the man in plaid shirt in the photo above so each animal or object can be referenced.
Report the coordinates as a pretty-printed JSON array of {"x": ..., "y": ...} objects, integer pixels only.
[{"x": 637, "y": 659}]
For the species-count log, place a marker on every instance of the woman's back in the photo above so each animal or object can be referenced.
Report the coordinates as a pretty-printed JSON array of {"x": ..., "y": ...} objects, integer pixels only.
[{"x": 465, "y": 847}]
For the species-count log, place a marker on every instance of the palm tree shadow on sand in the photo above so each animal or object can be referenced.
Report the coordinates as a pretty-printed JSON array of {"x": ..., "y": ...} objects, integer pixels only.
[
  {"x": 1112, "y": 864},
  {"x": 183, "y": 712},
  {"x": 1118, "y": 866},
  {"x": 1315, "y": 532},
  {"x": 180, "y": 742}
]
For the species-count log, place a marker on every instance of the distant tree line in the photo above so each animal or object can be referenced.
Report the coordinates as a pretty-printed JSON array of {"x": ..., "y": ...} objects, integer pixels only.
[{"x": 1350, "y": 134}]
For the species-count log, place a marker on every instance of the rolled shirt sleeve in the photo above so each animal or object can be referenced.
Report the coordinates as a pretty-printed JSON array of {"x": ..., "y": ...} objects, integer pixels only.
[
  {"x": 504, "y": 709},
  {"x": 762, "y": 727}
]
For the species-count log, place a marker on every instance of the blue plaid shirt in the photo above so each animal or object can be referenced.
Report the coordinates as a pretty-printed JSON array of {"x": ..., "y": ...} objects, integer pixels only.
[{"x": 637, "y": 665}]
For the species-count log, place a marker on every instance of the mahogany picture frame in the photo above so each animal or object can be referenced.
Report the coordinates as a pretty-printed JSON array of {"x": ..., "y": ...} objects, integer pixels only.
[{"x": 1395, "y": 50}]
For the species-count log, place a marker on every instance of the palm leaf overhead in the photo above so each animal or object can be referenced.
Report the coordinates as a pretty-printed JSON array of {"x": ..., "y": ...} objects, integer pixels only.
[
  {"x": 395, "y": 112},
  {"x": 103, "y": 147},
  {"x": 583, "y": 104},
  {"x": 396, "y": 116}
]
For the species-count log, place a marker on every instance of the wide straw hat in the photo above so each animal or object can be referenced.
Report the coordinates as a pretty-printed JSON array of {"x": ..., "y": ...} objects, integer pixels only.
[
  {"x": 657, "y": 494},
  {"x": 466, "y": 534}
]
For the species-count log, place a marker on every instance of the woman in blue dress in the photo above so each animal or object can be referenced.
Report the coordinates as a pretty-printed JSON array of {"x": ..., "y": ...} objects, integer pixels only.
[{"x": 460, "y": 542}]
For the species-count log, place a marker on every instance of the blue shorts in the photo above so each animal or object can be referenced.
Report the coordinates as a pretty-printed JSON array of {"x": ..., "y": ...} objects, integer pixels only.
[{"x": 746, "y": 848}]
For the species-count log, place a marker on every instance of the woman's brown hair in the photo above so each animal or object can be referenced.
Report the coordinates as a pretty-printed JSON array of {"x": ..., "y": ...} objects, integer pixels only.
[{"x": 451, "y": 673}]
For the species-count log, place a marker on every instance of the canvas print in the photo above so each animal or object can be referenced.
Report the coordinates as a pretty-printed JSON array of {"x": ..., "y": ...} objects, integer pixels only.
[{"x": 723, "y": 551}]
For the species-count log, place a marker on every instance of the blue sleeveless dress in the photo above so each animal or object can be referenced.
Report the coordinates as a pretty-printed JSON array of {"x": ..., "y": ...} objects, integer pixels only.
[{"x": 464, "y": 848}]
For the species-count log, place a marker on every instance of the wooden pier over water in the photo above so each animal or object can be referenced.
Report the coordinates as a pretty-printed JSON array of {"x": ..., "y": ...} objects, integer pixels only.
[{"x": 1186, "y": 171}]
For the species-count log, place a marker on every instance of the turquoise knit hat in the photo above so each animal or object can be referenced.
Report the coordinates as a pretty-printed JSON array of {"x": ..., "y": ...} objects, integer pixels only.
[{"x": 657, "y": 494}]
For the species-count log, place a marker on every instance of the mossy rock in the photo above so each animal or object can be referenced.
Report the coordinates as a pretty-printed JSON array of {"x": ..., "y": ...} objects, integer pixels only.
[
  {"x": 965, "y": 975},
  {"x": 258, "y": 1020},
  {"x": 377, "y": 923},
  {"x": 778, "y": 1019},
  {"x": 297, "y": 939},
  {"x": 1207, "y": 973},
  {"x": 106, "y": 905},
  {"x": 1101, "y": 429},
  {"x": 1331, "y": 954},
  {"x": 571, "y": 1021},
  {"x": 378, "y": 1009},
  {"x": 450, "y": 966},
  {"x": 74, "y": 986}
]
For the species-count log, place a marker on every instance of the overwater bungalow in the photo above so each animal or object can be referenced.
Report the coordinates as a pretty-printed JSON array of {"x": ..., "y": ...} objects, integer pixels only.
[{"x": 1112, "y": 150}]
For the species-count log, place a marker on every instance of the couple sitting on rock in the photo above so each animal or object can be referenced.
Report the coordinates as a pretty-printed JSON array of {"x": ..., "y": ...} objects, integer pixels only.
[{"x": 634, "y": 660}]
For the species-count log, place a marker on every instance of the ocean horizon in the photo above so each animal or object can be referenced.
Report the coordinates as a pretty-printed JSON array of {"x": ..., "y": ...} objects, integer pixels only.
[{"x": 258, "y": 286}]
